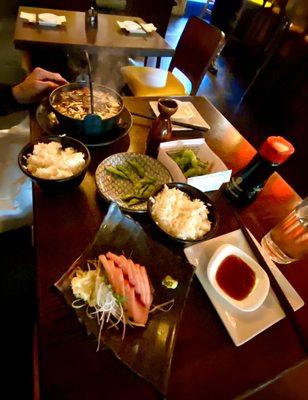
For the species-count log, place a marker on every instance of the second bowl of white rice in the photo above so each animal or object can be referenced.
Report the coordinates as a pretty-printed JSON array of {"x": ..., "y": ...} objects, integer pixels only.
[{"x": 183, "y": 213}]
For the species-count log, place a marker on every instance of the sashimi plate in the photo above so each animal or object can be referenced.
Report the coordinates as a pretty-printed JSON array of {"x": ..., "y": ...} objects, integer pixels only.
[{"x": 146, "y": 350}]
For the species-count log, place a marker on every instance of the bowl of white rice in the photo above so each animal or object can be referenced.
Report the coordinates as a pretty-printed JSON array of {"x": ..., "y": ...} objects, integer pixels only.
[
  {"x": 183, "y": 213},
  {"x": 55, "y": 163}
]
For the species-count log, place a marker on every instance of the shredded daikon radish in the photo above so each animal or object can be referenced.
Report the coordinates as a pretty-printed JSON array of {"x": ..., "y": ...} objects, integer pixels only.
[{"x": 92, "y": 288}]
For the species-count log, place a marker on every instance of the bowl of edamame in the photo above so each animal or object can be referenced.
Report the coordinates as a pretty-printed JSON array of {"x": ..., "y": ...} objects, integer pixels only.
[{"x": 129, "y": 179}]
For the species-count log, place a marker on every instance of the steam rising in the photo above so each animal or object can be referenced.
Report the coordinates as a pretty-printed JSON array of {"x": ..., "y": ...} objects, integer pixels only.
[{"x": 105, "y": 68}]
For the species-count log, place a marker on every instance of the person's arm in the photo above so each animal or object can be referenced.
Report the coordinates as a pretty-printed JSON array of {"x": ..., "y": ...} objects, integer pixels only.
[
  {"x": 36, "y": 85},
  {"x": 8, "y": 103}
]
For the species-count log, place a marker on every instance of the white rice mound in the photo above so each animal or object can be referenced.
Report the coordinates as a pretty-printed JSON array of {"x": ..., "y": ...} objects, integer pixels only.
[
  {"x": 179, "y": 216},
  {"x": 50, "y": 161}
]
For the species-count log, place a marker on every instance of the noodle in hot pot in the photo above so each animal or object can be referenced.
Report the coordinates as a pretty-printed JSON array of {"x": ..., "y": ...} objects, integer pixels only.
[{"x": 76, "y": 103}]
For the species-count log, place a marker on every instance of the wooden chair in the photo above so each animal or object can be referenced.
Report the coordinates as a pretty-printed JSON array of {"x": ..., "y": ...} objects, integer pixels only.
[
  {"x": 205, "y": 10},
  {"x": 263, "y": 27},
  {"x": 197, "y": 47}
]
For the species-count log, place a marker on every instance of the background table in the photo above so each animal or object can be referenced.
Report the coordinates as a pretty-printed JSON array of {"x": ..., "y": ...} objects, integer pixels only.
[
  {"x": 74, "y": 35},
  {"x": 206, "y": 363}
]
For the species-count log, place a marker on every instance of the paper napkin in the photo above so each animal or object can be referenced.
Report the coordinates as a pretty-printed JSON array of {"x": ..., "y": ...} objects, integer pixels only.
[
  {"x": 29, "y": 17},
  {"x": 48, "y": 19},
  {"x": 44, "y": 19},
  {"x": 136, "y": 28}
]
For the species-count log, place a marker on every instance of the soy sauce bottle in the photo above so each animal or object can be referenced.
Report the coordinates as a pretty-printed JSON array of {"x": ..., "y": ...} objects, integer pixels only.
[
  {"x": 245, "y": 185},
  {"x": 91, "y": 18}
]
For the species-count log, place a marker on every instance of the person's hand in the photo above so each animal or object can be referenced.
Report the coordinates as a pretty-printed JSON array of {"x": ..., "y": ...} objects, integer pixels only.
[{"x": 37, "y": 85}]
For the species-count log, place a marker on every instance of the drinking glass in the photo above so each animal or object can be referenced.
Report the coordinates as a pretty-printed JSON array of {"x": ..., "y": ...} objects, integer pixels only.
[{"x": 288, "y": 240}]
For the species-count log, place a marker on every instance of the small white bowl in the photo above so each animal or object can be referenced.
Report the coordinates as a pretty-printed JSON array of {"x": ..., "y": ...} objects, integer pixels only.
[{"x": 257, "y": 295}]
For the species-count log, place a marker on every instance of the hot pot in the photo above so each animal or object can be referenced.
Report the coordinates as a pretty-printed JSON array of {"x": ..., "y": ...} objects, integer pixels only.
[{"x": 75, "y": 127}]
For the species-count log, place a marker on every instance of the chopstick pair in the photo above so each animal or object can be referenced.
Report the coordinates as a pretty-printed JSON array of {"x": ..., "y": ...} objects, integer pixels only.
[
  {"x": 282, "y": 299},
  {"x": 177, "y": 123},
  {"x": 141, "y": 26}
]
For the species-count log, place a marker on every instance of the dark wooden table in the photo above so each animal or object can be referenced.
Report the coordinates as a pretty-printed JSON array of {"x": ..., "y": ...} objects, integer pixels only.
[
  {"x": 206, "y": 363},
  {"x": 74, "y": 36}
]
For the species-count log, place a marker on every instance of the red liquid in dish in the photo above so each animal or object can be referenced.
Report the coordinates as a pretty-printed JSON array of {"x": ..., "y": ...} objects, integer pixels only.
[{"x": 235, "y": 277}]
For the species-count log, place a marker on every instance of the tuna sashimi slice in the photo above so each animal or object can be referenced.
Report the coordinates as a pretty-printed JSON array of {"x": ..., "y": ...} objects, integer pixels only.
[
  {"x": 119, "y": 260},
  {"x": 118, "y": 273},
  {"x": 147, "y": 288},
  {"x": 140, "y": 288},
  {"x": 134, "y": 308},
  {"x": 108, "y": 268},
  {"x": 137, "y": 280},
  {"x": 136, "y": 275},
  {"x": 111, "y": 272},
  {"x": 114, "y": 274},
  {"x": 129, "y": 265},
  {"x": 124, "y": 264}
]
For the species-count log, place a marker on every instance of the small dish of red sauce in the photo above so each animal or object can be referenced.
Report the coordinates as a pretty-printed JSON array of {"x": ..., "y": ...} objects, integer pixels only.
[
  {"x": 238, "y": 278},
  {"x": 235, "y": 277}
]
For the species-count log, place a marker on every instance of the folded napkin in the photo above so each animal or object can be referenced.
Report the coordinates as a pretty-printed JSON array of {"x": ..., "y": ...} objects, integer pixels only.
[
  {"x": 136, "y": 28},
  {"x": 44, "y": 19},
  {"x": 48, "y": 19},
  {"x": 29, "y": 17}
]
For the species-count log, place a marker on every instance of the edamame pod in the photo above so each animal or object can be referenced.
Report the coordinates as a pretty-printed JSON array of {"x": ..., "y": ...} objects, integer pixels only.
[
  {"x": 137, "y": 167},
  {"x": 134, "y": 201},
  {"x": 147, "y": 193},
  {"x": 116, "y": 172},
  {"x": 128, "y": 172}
]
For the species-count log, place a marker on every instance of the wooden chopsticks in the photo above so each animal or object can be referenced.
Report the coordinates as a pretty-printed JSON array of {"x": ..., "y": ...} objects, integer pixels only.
[
  {"x": 177, "y": 123},
  {"x": 139, "y": 24},
  {"x": 284, "y": 302}
]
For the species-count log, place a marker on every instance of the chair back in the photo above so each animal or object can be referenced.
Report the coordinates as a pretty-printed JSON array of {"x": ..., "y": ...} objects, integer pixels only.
[{"x": 196, "y": 49}]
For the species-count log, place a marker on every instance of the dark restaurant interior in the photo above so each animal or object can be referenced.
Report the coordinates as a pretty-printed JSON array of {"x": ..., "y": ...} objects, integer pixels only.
[{"x": 257, "y": 79}]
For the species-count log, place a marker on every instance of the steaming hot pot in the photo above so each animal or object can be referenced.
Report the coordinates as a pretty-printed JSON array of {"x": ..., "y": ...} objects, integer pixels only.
[{"x": 70, "y": 103}]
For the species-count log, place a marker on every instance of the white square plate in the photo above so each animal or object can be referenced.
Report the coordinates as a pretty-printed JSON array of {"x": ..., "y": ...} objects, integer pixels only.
[
  {"x": 242, "y": 326},
  {"x": 186, "y": 112}
]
